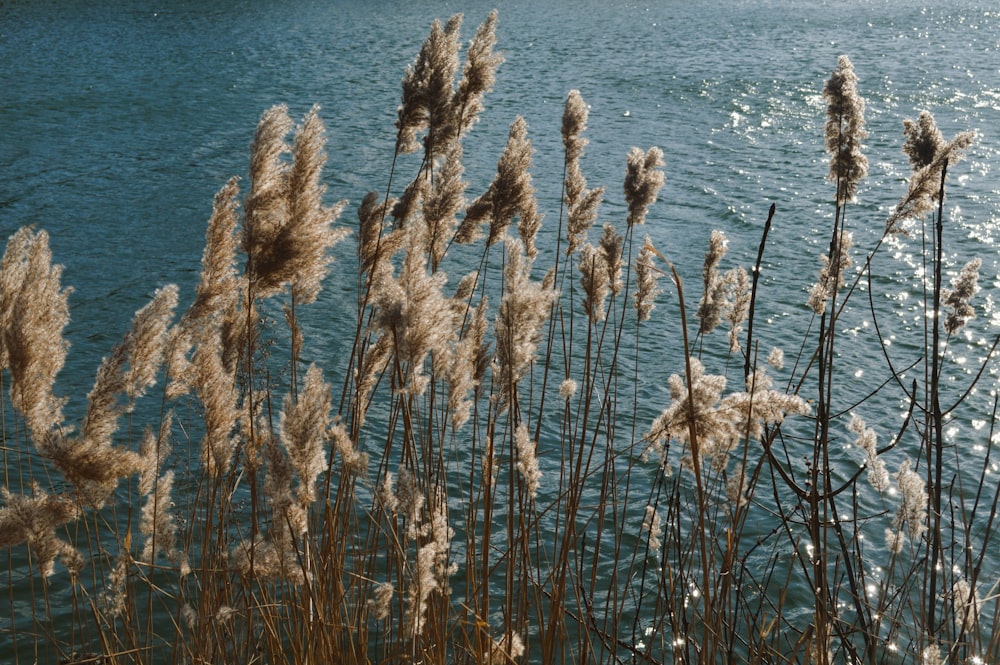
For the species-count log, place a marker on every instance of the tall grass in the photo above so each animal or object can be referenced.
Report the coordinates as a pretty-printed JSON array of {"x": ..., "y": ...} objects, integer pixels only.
[{"x": 479, "y": 479}]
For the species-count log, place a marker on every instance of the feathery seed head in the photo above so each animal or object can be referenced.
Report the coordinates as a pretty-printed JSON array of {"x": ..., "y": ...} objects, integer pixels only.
[
  {"x": 34, "y": 519},
  {"x": 444, "y": 198},
  {"x": 574, "y": 124},
  {"x": 428, "y": 90},
  {"x": 568, "y": 388},
  {"x": 594, "y": 280},
  {"x": 895, "y": 539},
  {"x": 157, "y": 523},
  {"x": 376, "y": 243},
  {"x": 931, "y": 655},
  {"x": 832, "y": 271},
  {"x": 739, "y": 304},
  {"x": 647, "y": 276},
  {"x": 387, "y": 496},
  {"x": 928, "y": 153},
  {"x": 845, "y": 130},
  {"x": 527, "y": 461},
  {"x": 912, "y": 511},
  {"x": 304, "y": 422},
  {"x": 266, "y": 205},
  {"x": 923, "y": 140},
  {"x": 963, "y": 288},
  {"x": 612, "y": 244},
  {"x": 967, "y": 604},
  {"x": 581, "y": 203},
  {"x": 652, "y": 523},
  {"x": 353, "y": 460},
  {"x": 713, "y": 299},
  {"x": 504, "y": 651},
  {"x": 479, "y": 74},
  {"x": 34, "y": 310},
  {"x": 736, "y": 487},
  {"x": 523, "y": 309},
  {"x": 287, "y": 231},
  {"x": 878, "y": 474},
  {"x": 643, "y": 180},
  {"x": 380, "y": 604},
  {"x": 216, "y": 387},
  {"x": 511, "y": 195}
]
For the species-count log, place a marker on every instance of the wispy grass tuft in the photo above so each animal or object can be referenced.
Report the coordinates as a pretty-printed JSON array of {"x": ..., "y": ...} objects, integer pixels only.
[{"x": 481, "y": 479}]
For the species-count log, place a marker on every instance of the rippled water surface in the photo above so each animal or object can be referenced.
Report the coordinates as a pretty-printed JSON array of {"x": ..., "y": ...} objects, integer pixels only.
[{"x": 120, "y": 120}]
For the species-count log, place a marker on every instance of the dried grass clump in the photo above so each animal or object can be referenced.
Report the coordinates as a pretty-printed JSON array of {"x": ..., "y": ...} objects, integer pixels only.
[{"x": 474, "y": 483}]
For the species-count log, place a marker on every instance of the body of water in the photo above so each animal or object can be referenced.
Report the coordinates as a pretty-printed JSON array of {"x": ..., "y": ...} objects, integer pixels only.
[{"x": 120, "y": 120}]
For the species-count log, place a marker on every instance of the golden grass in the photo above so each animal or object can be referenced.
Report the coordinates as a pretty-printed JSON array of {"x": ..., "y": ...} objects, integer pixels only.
[{"x": 474, "y": 483}]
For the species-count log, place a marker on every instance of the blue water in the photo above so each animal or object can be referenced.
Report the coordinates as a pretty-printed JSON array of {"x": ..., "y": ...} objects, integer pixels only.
[{"x": 120, "y": 120}]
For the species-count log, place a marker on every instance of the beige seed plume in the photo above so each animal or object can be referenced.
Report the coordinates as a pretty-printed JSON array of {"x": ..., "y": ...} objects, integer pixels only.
[
  {"x": 153, "y": 454},
  {"x": 266, "y": 206},
  {"x": 845, "y": 130},
  {"x": 923, "y": 140},
  {"x": 380, "y": 604},
  {"x": 478, "y": 75},
  {"x": 612, "y": 244},
  {"x": 304, "y": 421},
  {"x": 759, "y": 405},
  {"x": 218, "y": 283},
  {"x": 511, "y": 195},
  {"x": 414, "y": 312},
  {"x": 216, "y": 387},
  {"x": 219, "y": 293},
  {"x": 652, "y": 523},
  {"x": 739, "y": 305},
  {"x": 967, "y": 605},
  {"x": 527, "y": 460},
  {"x": 428, "y": 90},
  {"x": 963, "y": 288},
  {"x": 291, "y": 246},
  {"x": 647, "y": 276},
  {"x": 90, "y": 461},
  {"x": 34, "y": 519},
  {"x": 504, "y": 651},
  {"x": 832, "y": 271},
  {"x": 928, "y": 153},
  {"x": 376, "y": 242},
  {"x": 157, "y": 523},
  {"x": 373, "y": 364},
  {"x": 713, "y": 300},
  {"x": 13, "y": 268},
  {"x": 462, "y": 375},
  {"x": 736, "y": 486},
  {"x": 408, "y": 208},
  {"x": 524, "y": 307},
  {"x": 878, "y": 474},
  {"x": 643, "y": 180},
  {"x": 352, "y": 459},
  {"x": 581, "y": 203},
  {"x": 309, "y": 225},
  {"x": 480, "y": 326},
  {"x": 912, "y": 512},
  {"x": 446, "y": 196},
  {"x": 594, "y": 280},
  {"x": 34, "y": 309}
]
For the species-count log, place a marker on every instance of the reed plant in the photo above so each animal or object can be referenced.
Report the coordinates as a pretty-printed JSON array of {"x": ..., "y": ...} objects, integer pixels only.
[{"x": 480, "y": 478}]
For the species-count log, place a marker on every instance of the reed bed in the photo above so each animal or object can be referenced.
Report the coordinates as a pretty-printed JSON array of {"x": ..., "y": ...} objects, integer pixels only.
[{"x": 479, "y": 479}]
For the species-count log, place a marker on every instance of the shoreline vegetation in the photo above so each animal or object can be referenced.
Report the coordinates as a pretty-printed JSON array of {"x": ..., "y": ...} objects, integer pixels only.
[{"x": 476, "y": 481}]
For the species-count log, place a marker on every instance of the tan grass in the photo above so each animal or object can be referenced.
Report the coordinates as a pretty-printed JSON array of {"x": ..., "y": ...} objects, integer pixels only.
[{"x": 478, "y": 484}]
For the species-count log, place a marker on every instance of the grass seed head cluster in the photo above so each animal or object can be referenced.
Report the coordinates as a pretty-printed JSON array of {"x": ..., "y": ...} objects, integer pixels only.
[{"x": 474, "y": 482}]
